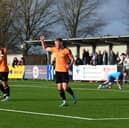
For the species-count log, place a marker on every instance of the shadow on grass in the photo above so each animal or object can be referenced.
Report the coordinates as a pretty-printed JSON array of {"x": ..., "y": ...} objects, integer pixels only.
[
  {"x": 69, "y": 99},
  {"x": 32, "y": 99},
  {"x": 103, "y": 99}
]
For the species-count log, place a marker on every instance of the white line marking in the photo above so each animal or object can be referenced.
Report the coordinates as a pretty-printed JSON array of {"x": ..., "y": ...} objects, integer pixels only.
[
  {"x": 32, "y": 84},
  {"x": 61, "y": 116},
  {"x": 80, "y": 89}
]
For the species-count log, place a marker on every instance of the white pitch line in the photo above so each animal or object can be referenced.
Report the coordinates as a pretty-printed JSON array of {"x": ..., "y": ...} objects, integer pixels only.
[
  {"x": 80, "y": 89},
  {"x": 61, "y": 116}
]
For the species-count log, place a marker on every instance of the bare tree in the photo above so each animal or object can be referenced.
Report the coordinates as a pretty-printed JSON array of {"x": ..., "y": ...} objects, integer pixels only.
[
  {"x": 7, "y": 12},
  {"x": 34, "y": 18},
  {"x": 79, "y": 17}
]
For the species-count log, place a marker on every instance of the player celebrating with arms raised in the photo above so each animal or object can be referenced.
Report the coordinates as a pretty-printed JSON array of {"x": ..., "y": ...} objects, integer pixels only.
[
  {"x": 4, "y": 75},
  {"x": 62, "y": 55}
]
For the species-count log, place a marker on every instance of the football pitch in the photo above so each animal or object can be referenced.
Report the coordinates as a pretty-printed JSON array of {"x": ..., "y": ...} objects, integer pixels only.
[{"x": 35, "y": 104}]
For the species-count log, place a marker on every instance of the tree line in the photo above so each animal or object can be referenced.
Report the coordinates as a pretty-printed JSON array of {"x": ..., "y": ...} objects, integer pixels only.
[{"x": 22, "y": 20}]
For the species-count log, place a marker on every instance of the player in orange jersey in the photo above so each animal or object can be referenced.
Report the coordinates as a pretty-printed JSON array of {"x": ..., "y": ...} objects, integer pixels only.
[
  {"x": 64, "y": 59},
  {"x": 4, "y": 75}
]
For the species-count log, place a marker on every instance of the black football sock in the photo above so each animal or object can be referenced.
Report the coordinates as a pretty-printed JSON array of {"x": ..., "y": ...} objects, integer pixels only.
[
  {"x": 70, "y": 91},
  {"x": 2, "y": 88},
  {"x": 62, "y": 94},
  {"x": 7, "y": 91}
]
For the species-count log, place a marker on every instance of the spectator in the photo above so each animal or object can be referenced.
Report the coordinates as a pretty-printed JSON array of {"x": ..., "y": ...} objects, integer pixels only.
[
  {"x": 15, "y": 62},
  {"x": 105, "y": 58},
  {"x": 122, "y": 58},
  {"x": 94, "y": 58},
  {"x": 78, "y": 61},
  {"x": 99, "y": 58},
  {"x": 90, "y": 59},
  {"x": 120, "y": 61},
  {"x": 85, "y": 57},
  {"x": 21, "y": 61},
  {"x": 117, "y": 58},
  {"x": 126, "y": 63},
  {"x": 112, "y": 58}
]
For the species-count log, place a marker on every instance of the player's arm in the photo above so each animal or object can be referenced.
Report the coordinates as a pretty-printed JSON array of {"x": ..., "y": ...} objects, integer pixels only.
[
  {"x": 44, "y": 45},
  {"x": 72, "y": 61},
  {"x": 3, "y": 51},
  {"x": 119, "y": 82}
]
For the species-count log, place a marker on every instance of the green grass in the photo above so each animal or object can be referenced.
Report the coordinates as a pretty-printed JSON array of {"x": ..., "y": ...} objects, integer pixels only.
[{"x": 42, "y": 97}]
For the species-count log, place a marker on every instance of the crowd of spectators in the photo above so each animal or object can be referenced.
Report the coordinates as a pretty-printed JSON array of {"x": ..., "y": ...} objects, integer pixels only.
[
  {"x": 17, "y": 62},
  {"x": 103, "y": 58}
]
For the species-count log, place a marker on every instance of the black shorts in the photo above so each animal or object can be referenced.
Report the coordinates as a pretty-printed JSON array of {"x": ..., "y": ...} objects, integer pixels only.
[
  {"x": 4, "y": 76},
  {"x": 62, "y": 77}
]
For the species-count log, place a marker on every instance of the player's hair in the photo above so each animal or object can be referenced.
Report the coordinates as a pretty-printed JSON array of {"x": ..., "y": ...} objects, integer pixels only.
[{"x": 59, "y": 39}]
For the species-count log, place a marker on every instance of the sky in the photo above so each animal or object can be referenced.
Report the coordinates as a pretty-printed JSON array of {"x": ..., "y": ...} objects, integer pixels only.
[{"x": 113, "y": 11}]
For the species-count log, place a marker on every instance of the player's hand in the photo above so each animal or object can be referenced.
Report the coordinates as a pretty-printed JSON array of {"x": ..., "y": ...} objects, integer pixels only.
[
  {"x": 68, "y": 66},
  {"x": 42, "y": 38}
]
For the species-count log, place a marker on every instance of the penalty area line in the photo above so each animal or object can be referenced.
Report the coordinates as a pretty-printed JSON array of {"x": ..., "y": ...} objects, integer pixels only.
[{"x": 60, "y": 116}]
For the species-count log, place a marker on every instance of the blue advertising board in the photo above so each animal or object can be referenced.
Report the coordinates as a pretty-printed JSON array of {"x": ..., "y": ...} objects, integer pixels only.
[
  {"x": 50, "y": 72},
  {"x": 35, "y": 72}
]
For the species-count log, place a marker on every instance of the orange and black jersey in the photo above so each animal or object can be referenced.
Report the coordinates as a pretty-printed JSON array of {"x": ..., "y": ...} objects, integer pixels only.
[
  {"x": 3, "y": 61},
  {"x": 62, "y": 58}
]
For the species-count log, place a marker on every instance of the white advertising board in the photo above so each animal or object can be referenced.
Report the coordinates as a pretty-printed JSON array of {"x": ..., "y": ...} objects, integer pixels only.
[{"x": 88, "y": 72}]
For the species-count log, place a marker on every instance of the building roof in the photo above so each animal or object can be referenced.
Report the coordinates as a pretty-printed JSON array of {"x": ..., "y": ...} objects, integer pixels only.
[{"x": 100, "y": 40}]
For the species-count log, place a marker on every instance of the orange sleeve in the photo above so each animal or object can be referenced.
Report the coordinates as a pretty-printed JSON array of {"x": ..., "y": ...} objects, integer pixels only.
[{"x": 52, "y": 49}]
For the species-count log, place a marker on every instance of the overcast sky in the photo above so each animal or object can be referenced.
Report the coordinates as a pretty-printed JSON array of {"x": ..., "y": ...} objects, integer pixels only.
[{"x": 113, "y": 12}]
